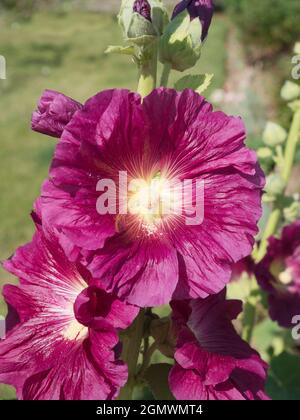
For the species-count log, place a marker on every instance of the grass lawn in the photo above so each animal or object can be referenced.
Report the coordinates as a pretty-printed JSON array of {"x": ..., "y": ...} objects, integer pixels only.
[{"x": 64, "y": 52}]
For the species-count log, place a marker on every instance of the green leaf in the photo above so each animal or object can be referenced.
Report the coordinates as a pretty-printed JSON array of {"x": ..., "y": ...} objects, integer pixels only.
[
  {"x": 284, "y": 377},
  {"x": 156, "y": 377},
  {"x": 7, "y": 392},
  {"x": 240, "y": 289},
  {"x": 268, "y": 338},
  {"x": 198, "y": 82},
  {"x": 118, "y": 49}
]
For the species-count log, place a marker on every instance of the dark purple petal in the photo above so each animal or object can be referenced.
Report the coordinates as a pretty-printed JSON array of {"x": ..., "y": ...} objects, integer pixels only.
[
  {"x": 186, "y": 385},
  {"x": 211, "y": 359},
  {"x": 246, "y": 265},
  {"x": 202, "y": 9},
  {"x": 96, "y": 308}
]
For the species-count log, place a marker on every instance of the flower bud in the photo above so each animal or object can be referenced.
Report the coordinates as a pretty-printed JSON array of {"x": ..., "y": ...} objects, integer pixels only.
[
  {"x": 180, "y": 44},
  {"x": 264, "y": 153},
  {"x": 274, "y": 134},
  {"x": 55, "y": 110},
  {"x": 143, "y": 8},
  {"x": 294, "y": 105},
  {"x": 297, "y": 48},
  {"x": 197, "y": 9},
  {"x": 275, "y": 185},
  {"x": 142, "y": 20},
  {"x": 290, "y": 91},
  {"x": 292, "y": 213}
]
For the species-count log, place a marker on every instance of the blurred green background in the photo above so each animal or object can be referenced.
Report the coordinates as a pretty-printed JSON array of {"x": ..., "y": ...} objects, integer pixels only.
[{"x": 60, "y": 45}]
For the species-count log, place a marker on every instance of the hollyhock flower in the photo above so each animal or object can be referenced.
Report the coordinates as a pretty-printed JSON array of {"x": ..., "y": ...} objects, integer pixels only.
[
  {"x": 54, "y": 111},
  {"x": 279, "y": 275},
  {"x": 65, "y": 345},
  {"x": 201, "y": 9},
  {"x": 212, "y": 361},
  {"x": 147, "y": 257}
]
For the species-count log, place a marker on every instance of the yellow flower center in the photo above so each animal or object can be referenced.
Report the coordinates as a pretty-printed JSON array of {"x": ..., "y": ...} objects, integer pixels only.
[
  {"x": 75, "y": 331},
  {"x": 152, "y": 201}
]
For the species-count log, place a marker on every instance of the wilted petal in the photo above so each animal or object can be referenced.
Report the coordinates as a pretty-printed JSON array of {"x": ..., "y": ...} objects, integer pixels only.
[{"x": 54, "y": 112}]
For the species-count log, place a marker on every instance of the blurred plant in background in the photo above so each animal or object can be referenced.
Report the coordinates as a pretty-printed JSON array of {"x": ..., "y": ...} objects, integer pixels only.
[
  {"x": 23, "y": 8},
  {"x": 271, "y": 23}
]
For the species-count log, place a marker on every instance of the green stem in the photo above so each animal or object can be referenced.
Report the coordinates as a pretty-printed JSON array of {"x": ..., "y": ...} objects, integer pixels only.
[
  {"x": 130, "y": 355},
  {"x": 270, "y": 229},
  {"x": 147, "y": 358},
  {"x": 148, "y": 71},
  {"x": 291, "y": 147},
  {"x": 165, "y": 75},
  {"x": 249, "y": 319}
]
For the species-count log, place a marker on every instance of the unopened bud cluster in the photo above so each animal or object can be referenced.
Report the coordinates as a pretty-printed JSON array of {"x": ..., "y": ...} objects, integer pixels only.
[{"x": 179, "y": 39}]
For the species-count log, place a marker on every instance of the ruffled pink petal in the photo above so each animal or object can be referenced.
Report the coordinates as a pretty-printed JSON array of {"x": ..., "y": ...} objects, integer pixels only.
[
  {"x": 43, "y": 263},
  {"x": 171, "y": 113},
  {"x": 208, "y": 251},
  {"x": 76, "y": 219},
  {"x": 83, "y": 372},
  {"x": 27, "y": 301},
  {"x": 186, "y": 385},
  {"x": 128, "y": 271},
  {"x": 211, "y": 368}
]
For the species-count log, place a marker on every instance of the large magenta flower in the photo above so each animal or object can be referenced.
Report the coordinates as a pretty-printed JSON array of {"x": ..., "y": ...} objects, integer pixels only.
[
  {"x": 212, "y": 361},
  {"x": 279, "y": 275},
  {"x": 65, "y": 345},
  {"x": 168, "y": 137}
]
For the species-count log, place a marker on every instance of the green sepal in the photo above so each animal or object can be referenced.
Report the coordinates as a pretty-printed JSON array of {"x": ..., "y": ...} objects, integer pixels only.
[
  {"x": 198, "y": 82},
  {"x": 119, "y": 49}
]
